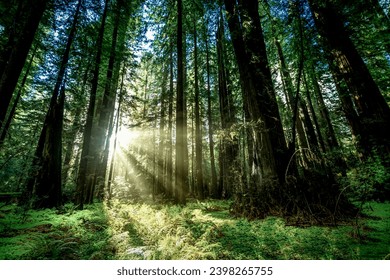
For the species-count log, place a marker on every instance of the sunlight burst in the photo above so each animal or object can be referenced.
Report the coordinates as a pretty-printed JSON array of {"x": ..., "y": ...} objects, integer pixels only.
[{"x": 126, "y": 137}]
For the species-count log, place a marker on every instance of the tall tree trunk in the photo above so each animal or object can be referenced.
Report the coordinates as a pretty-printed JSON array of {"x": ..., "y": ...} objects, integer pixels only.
[
  {"x": 118, "y": 119},
  {"x": 170, "y": 191},
  {"x": 47, "y": 182},
  {"x": 10, "y": 116},
  {"x": 185, "y": 117},
  {"x": 311, "y": 110},
  {"x": 275, "y": 191},
  {"x": 373, "y": 111},
  {"x": 257, "y": 85},
  {"x": 180, "y": 188},
  {"x": 198, "y": 134},
  {"x": 289, "y": 93},
  {"x": 330, "y": 138},
  {"x": 84, "y": 187},
  {"x": 16, "y": 56},
  {"x": 75, "y": 129},
  {"x": 105, "y": 123},
  {"x": 229, "y": 143},
  {"x": 214, "y": 182},
  {"x": 160, "y": 158}
]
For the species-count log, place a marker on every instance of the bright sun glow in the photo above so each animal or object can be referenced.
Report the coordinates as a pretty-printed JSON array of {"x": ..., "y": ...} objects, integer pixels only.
[{"x": 126, "y": 137}]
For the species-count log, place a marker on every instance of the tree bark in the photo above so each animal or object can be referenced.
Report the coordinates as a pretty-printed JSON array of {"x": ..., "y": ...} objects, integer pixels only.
[
  {"x": 330, "y": 139},
  {"x": 4, "y": 129},
  {"x": 256, "y": 83},
  {"x": 275, "y": 189},
  {"x": 85, "y": 175},
  {"x": 161, "y": 187},
  {"x": 180, "y": 188},
  {"x": 229, "y": 142},
  {"x": 48, "y": 156},
  {"x": 169, "y": 190},
  {"x": 200, "y": 192},
  {"x": 18, "y": 50},
  {"x": 211, "y": 124},
  {"x": 372, "y": 109}
]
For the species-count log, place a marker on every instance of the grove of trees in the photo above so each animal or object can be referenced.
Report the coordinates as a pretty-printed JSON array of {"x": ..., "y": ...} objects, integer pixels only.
[{"x": 281, "y": 107}]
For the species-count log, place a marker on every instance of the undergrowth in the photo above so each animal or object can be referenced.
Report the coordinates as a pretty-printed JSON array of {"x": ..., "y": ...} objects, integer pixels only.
[
  {"x": 205, "y": 230},
  {"x": 200, "y": 230},
  {"x": 54, "y": 234}
]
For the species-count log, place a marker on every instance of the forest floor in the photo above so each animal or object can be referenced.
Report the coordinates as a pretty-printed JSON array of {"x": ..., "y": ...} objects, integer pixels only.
[{"x": 200, "y": 230}]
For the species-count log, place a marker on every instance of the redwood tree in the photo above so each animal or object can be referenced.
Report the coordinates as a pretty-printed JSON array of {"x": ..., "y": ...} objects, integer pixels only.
[
  {"x": 373, "y": 112},
  {"x": 271, "y": 187},
  {"x": 45, "y": 185},
  {"x": 180, "y": 187},
  {"x": 14, "y": 53}
]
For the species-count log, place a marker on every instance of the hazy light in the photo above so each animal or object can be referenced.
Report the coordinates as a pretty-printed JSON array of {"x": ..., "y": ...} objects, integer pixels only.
[{"x": 127, "y": 137}]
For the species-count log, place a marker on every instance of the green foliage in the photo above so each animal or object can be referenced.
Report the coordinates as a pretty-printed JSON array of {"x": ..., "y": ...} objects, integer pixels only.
[
  {"x": 124, "y": 191},
  {"x": 368, "y": 180},
  {"x": 54, "y": 234},
  {"x": 205, "y": 230},
  {"x": 375, "y": 239},
  {"x": 200, "y": 230}
]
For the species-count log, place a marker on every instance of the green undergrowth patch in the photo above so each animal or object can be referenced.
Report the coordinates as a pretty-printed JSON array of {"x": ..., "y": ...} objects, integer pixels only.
[
  {"x": 372, "y": 232},
  {"x": 200, "y": 230},
  {"x": 54, "y": 234},
  {"x": 205, "y": 230}
]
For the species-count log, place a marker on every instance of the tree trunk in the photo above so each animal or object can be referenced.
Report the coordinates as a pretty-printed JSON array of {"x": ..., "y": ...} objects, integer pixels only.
[
  {"x": 4, "y": 129},
  {"x": 289, "y": 93},
  {"x": 257, "y": 85},
  {"x": 161, "y": 188},
  {"x": 275, "y": 190},
  {"x": 118, "y": 119},
  {"x": 331, "y": 139},
  {"x": 180, "y": 188},
  {"x": 200, "y": 192},
  {"x": 84, "y": 183},
  {"x": 75, "y": 129},
  {"x": 18, "y": 50},
  {"x": 229, "y": 143},
  {"x": 105, "y": 124},
  {"x": 170, "y": 191},
  {"x": 373, "y": 111},
  {"x": 213, "y": 186},
  {"x": 47, "y": 183}
]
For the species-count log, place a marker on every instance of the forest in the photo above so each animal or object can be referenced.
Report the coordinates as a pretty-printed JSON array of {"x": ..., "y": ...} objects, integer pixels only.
[{"x": 177, "y": 129}]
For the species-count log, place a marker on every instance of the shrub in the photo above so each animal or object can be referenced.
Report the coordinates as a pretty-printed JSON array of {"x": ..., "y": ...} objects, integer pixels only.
[{"x": 367, "y": 181}]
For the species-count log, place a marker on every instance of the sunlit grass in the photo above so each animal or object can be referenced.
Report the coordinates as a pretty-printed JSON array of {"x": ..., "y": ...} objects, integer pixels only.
[
  {"x": 200, "y": 230},
  {"x": 206, "y": 231}
]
